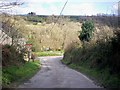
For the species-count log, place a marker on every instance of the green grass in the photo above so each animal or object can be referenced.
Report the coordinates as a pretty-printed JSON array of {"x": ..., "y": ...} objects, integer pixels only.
[
  {"x": 49, "y": 53},
  {"x": 0, "y": 76},
  {"x": 13, "y": 75},
  {"x": 101, "y": 77}
]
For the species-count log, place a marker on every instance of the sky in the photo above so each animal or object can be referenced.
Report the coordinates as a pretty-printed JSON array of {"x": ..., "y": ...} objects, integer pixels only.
[{"x": 73, "y": 7}]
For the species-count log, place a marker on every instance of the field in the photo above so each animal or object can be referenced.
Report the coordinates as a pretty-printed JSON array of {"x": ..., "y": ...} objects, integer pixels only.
[{"x": 49, "y": 53}]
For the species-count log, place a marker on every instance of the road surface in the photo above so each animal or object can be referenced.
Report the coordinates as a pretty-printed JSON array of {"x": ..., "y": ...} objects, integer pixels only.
[{"x": 54, "y": 74}]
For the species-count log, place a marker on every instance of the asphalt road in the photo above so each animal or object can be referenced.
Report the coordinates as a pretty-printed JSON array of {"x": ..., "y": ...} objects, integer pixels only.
[{"x": 54, "y": 74}]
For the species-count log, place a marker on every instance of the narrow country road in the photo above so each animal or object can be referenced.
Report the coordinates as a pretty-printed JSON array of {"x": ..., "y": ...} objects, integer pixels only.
[{"x": 54, "y": 74}]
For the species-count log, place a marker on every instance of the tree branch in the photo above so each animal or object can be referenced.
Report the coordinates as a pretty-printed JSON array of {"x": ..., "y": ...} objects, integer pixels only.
[{"x": 9, "y": 5}]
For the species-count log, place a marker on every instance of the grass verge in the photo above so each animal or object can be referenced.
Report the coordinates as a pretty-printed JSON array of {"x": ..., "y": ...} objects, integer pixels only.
[
  {"x": 14, "y": 75},
  {"x": 101, "y": 77},
  {"x": 49, "y": 53}
]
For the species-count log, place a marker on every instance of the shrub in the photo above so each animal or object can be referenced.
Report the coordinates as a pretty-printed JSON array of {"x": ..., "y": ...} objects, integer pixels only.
[
  {"x": 10, "y": 56},
  {"x": 87, "y": 29}
]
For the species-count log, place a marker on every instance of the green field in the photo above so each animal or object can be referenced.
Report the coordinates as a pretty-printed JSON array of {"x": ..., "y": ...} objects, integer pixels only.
[{"x": 49, "y": 53}]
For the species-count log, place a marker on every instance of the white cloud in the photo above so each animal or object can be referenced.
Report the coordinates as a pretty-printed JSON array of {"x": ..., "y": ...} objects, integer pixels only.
[
  {"x": 72, "y": 8},
  {"x": 38, "y": 8},
  {"x": 44, "y": 1},
  {"x": 29, "y": 8},
  {"x": 80, "y": 9},
  {"x": 49, "y": 7},
  {"x": 49, "y": 1},
  {"x": 115, "y": 6}
]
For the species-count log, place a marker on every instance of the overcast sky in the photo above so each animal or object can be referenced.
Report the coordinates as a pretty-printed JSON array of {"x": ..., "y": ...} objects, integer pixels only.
[{"x": 73, "y": 7}]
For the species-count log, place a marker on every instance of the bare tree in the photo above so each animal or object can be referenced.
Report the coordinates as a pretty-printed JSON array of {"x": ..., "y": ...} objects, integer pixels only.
[
  {"x": 6, "y": 26},
  {"x": 7, "y": 5},
  {"x": 9, "y": 28}
]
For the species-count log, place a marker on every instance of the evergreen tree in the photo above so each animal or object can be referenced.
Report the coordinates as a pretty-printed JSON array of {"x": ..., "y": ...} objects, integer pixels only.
[{"x": 87, "y": 29}]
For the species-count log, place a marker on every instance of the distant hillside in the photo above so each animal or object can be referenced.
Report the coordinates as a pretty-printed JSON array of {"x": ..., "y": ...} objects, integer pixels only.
[{"x": 110, "y": 20}]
